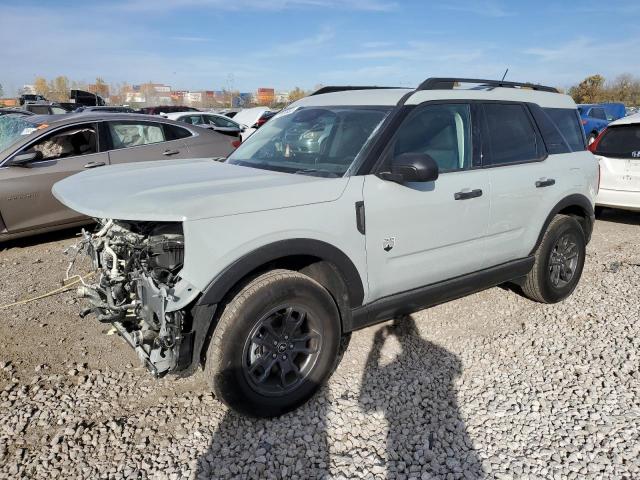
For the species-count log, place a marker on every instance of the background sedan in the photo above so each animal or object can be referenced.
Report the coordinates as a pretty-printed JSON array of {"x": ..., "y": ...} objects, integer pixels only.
[
  {"x": 212, "y": 121},
  {"x": 37, "y": 151}
]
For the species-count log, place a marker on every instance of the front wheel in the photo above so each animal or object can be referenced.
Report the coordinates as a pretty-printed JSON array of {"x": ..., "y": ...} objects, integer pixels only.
[
  {"x": 558, "y": 263},
  {"x": 276, "y": 343}
]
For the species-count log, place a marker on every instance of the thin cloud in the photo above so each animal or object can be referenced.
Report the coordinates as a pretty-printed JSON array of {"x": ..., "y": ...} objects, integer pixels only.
[
  {"x": 418, "y": 51},
  {"x": 157, "y": 6},
  {"x": 192, "y": 39},
  {"x": 488, "y": 8},
  {"x": 298, "y": 47}
]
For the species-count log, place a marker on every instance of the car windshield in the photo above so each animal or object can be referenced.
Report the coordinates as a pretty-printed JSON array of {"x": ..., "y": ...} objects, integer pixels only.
[
  {"x": 14, "y": 128},
  {"x": 319, "y": 141}
]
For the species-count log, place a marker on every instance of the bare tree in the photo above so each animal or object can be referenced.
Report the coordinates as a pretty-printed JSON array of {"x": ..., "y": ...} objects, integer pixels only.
[{"x": 41, "y": 86}]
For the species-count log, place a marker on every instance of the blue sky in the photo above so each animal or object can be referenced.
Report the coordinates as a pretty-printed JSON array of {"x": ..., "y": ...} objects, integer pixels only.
[{"x": 245, "y": 44}]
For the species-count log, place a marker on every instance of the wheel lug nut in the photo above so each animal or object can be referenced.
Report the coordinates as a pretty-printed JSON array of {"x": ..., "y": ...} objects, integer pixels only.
[
  {"x": 291, "y": 345},
  {"x": 275, "y": 342},
  {"x": 274, "y": 355},
  {"x": 286, "y": 337},
  {"x": 284, "y": 357}
]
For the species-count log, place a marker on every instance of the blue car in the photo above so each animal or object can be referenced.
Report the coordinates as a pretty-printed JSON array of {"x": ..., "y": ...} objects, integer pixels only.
[{"x": 595, "y": 117}]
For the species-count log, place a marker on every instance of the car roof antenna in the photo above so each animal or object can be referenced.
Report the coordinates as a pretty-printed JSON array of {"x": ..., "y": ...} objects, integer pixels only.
[{"x": 505, "y": 75}]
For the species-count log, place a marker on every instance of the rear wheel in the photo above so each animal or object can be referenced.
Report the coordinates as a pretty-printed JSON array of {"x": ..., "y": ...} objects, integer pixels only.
[
  {"x": 276, "y": 343},
  {"x": 559, "y": 261}
]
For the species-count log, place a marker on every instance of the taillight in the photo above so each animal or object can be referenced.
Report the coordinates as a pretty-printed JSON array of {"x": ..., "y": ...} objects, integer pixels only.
[
  {"x": 594, "y": 146},
  {"x": 236, "y": 143}
]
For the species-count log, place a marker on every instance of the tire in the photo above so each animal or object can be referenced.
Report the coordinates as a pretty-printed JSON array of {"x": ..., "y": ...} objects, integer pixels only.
[
  {"x": 551, "y": 284},
  {"x": 240, "y": 364}
]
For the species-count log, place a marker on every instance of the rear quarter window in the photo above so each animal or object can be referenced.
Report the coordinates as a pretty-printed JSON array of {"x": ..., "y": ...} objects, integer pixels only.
[
  {"x": 173, "y": 132},
  {"x": 621, "y": 141},
  {"x": 568, "y": 122}
]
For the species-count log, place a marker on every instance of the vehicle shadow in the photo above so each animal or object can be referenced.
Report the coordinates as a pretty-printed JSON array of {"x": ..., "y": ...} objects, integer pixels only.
[
  {"x": 42, "y": 238},
  {"x": 417, "y": 395},
  {"x": 619, "y": 216},
  {"x": 294, "y": 444}
]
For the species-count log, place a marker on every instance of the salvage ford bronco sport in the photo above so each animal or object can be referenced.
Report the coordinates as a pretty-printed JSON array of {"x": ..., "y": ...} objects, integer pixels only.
[{"x": 350, "y": 207}]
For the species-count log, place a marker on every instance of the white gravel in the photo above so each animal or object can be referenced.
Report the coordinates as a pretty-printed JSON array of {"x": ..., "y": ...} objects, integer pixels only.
[{"x": 489, "y": 386}]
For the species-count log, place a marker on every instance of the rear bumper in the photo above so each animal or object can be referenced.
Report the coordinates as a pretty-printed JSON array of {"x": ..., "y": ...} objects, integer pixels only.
[{"x": 624, "y": 199}]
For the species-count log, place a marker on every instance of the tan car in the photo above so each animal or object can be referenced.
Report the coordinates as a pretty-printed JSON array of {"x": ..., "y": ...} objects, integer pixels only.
[{"x": 38, "y": 151}]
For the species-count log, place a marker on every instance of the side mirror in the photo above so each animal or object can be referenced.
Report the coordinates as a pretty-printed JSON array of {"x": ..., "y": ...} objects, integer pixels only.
[
  {"x": 24, "y": 159},
  {"x": 412, "y": 167}
]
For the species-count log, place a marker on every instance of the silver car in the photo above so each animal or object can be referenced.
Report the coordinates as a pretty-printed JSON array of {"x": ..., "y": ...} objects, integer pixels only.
[{"x": 39, "y": 150}]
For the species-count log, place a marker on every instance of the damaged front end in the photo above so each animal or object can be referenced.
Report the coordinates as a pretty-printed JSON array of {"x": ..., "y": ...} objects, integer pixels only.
[{"x": 138, "y": 289}]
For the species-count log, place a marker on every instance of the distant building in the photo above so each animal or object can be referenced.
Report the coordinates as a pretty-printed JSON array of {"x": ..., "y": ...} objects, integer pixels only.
[
  {"x": 265, "y": 96},
  {"x": 149, "y": 93},
  {"x": 178, "y": 96}
]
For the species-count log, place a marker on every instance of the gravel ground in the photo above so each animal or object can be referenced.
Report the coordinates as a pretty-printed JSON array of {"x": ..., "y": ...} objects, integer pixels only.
[{"x": 489, "y": 386}]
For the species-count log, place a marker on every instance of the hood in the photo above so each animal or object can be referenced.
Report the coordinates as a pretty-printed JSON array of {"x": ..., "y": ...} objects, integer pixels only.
[{"x": 179, "y": 190}]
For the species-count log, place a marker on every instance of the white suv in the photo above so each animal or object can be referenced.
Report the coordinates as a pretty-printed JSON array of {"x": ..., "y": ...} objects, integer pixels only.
[{"x": 350, "y": 207}]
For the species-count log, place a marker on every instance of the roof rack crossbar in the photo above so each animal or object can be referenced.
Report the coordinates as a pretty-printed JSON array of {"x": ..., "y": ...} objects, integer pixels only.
[
  {"x": 333, "y": 89},
  {"x": 449, "y": 83}
]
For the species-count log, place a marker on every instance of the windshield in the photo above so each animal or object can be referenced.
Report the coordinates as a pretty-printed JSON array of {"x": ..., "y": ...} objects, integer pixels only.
[
  {"x": 14, "y": 128},
  {"x": 319, "y": 141}
]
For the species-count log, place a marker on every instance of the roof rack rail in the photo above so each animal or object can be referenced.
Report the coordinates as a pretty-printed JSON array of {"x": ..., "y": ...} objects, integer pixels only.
[
  {"x": 333, "y": 89},
  {"x": 448, "y": 84}
]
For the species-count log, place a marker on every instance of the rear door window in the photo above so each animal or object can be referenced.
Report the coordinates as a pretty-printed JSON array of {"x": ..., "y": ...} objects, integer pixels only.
[
  {"x": 133, "y": 134},
  {"x": 512, "y": 137},
  {"x": 568, "y": 122},
  {"x": 621, "y": 141},
  {"x": 598, "y": 113},
  {"x": 219, "y": 121},
  {"x": 192, "y": 119}
]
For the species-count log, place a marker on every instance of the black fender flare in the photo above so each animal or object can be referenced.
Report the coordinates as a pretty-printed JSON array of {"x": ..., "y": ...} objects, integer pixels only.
[
  {"x": 230, "y": 276},
  {"x": 574, "y": 200}
]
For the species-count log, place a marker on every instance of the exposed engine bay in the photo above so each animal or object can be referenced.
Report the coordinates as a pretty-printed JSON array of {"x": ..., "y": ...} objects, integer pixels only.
[{"x": 137, "y": 266}]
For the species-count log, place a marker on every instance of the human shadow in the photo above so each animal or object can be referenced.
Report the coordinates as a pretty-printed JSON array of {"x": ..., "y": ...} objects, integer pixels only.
[
  {"x": 294, "y": 445},
  {"x": 415, "y": 391}
]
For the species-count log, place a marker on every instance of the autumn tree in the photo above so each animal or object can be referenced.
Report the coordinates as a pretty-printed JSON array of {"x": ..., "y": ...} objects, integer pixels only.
[
  {"x": 590, "y": 90},
  {"x": 624, "y": 88},
  {"x": 41, "y": 86},
  {"x": 100, "y": 88},
  {"x": 59, "y": 89},
  {"x": 296, "y": 94}
]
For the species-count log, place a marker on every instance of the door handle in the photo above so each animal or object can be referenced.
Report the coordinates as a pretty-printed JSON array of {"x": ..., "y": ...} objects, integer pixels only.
[
  {"x": 465, "y": 195},
  {"x": 545, "y": 182},
  {"x": 94, "y": 164},
  {"x": 171, "y": 152}
]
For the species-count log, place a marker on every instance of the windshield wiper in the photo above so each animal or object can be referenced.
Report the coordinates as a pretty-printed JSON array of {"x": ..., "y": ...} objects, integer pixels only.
[{"x": 311, "y": 171}]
